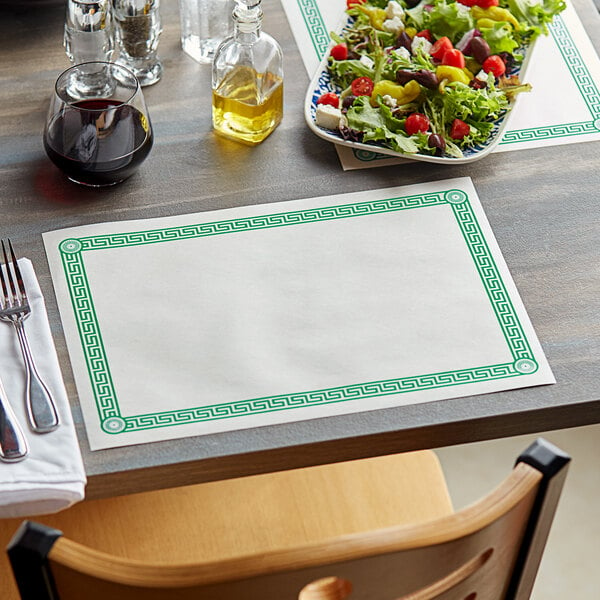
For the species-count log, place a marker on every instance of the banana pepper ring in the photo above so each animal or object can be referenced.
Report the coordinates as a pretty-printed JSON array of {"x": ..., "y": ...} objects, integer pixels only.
[
  {"x": 495, "y": 13},
  {"x": 403, "y": 94},
  {"x": 376, "y": 15},
  {"x": 448, "y": 73}
]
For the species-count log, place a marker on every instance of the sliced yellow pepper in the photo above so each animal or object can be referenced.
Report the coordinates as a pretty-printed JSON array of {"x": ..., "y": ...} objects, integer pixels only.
[
  {"x": 403, "y": 94},
  {"x": 486, "y": 23},
  {"x": 376, "y": 15},
  {"x": 495, "y": 13},
  {"x": 453, "y": 74},
  {"x": 411, "y": 32}
]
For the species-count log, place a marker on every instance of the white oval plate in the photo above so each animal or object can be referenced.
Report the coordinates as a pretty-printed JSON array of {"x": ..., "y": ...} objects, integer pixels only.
[{"x": 321, "y": 84}]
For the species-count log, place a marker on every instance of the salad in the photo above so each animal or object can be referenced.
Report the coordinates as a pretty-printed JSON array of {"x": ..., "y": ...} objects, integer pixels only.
[{"x": 432, "y": 77}]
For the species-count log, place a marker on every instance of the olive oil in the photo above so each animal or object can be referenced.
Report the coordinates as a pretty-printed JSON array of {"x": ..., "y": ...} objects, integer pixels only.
[
  {"x": 247, "y": 79},
  {"x": 248, "y": 106}
]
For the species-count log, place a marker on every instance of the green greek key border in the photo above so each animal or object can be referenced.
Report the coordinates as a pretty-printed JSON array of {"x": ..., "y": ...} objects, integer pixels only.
[
  {"x": 581, "y": 76},
  {"x": 73, "y": 251},
  {"x": 315, "y": 25},
  {"x": 585, "y": 84}
]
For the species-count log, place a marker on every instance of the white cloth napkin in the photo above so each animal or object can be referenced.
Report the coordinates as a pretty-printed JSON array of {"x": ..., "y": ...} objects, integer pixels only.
[{"x": 52, "y": 477}]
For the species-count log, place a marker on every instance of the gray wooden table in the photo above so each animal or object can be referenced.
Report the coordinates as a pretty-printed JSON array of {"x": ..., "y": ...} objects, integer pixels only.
[{"x": 543, "y": 206}]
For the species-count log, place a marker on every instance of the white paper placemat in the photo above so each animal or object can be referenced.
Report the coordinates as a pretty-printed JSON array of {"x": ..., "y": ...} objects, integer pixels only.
[
  {"x": 563, "y": 108},
  {"x": 268, "y": 314}
]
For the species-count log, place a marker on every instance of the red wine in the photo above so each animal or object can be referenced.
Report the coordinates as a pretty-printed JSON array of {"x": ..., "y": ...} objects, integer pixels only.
[{"x": 100, "y": 145}]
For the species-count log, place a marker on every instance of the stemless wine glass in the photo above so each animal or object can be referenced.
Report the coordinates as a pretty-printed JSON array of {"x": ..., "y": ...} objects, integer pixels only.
[{"x": 97, "y": 138}]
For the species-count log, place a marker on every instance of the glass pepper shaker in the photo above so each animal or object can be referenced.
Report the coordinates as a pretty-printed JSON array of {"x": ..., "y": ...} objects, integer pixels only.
[
  {"x": 247, "y": 79},
  {"x": 138, "y": 30}
]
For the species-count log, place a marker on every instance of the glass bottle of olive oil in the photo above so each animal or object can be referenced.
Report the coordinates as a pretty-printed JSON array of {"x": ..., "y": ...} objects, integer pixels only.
[{"x": 247, "y": 79}]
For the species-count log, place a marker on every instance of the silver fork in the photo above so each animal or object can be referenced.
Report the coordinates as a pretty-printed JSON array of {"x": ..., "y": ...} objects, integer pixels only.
[{"x": 41, "y": 410}]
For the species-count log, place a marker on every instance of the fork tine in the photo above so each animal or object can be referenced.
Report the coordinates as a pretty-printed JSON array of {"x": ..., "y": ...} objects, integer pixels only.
[
  {"x": 20, "y": 283},
  {"x": 3, "y": 279},
  {"x": 11, "y": 282}
]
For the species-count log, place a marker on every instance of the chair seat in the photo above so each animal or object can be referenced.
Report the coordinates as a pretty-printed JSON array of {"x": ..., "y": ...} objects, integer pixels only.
[
  {"x": 252, "y": 515},
  {"x": 377, "y": 528}
]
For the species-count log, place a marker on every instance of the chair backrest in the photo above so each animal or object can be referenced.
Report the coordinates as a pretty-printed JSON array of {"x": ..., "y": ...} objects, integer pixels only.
[{"x": 488, "y": 551}]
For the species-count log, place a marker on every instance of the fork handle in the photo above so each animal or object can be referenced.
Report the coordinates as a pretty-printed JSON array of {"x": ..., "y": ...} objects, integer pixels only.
[
  {"x": 41, "y": 410},
  {"x": 13, "y": 445}
]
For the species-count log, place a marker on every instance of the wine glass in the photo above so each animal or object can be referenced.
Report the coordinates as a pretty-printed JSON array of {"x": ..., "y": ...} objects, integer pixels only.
[{"x": 98, "y": 130}]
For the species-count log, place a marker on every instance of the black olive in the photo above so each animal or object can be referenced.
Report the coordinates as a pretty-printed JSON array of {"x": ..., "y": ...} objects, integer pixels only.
[
  {"x": 403, "y": 77},
  {"x": 348, "y": 101},
  {"x": 427, "y": 79},
  {"x": 437, "y": 141},
  {"x": 404, "y": 41},
  {"x": 480, "y": 49}
]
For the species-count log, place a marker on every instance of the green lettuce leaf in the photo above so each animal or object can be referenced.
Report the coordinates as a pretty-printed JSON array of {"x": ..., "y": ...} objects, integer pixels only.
[
  {"x": 500, "y": 38},
  {"x": 343, "y": 72},
  {"x": 378, "y": 124},
  {"x": 415, "y": 17},
  {"x": 536, "y": 14},
  {"x": 450, "y": 20},
  {"x": 478, "y": 108}
]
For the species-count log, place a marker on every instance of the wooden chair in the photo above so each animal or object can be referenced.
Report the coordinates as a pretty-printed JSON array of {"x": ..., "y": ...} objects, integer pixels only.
[{"x": 322, "y": 533}]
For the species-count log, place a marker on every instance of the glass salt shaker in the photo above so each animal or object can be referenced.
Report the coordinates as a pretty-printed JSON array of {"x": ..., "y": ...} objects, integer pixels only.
[
  {"x": 204, "y": 25},
  {"x": 89, "y": 32},
  {"x": 89, "y": 36},
  {"x": 247, "y": 79},
  {"x": 138, "y": 28}
]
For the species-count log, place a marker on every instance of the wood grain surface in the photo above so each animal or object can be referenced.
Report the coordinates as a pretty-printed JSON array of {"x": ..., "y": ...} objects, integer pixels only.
[{"x": 542, "y": 205}]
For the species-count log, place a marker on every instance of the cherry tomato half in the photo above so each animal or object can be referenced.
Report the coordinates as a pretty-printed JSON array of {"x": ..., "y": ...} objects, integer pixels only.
[
  {"x": 459, "y": 129},
  {"x": 329, "y": 98},
  {"x": 454, "y": 58},
  {"x": 362, "y": 86},
  {"x": 486, "y": 3},
  {"x": 415, "y": 123},
  {"x": 440, "y": 47},
  {"x": 339, "y": 52},
  {"x": 495, "y": 65},
  {"x": 425, "y": 33}
]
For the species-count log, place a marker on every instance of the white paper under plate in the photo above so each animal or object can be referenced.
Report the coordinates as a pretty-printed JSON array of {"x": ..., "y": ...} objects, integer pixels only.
[
  {"x": 321, "y": 84},
  {"x": 268, "y": 314}
]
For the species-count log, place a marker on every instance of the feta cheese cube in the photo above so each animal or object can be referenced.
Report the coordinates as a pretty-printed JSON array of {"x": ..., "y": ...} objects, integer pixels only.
[
  {"x": 389, "y": 101},
  {"x": 420, "y": 43},
  {"x": 393, "y": 9},
  {"x": 395, "y": 25},
  {"x": 365, "y": 60},
  {"x": 328, "y": 116},
  {"x": 402, "y": 52}
]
